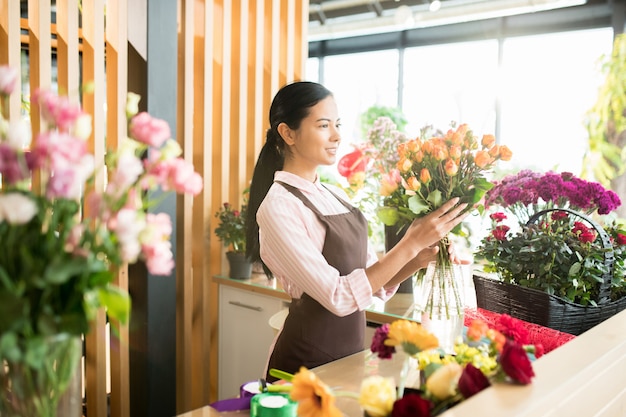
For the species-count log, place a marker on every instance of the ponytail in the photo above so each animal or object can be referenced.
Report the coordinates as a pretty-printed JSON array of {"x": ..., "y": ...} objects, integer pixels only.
[{"x": 271, "y": 159}]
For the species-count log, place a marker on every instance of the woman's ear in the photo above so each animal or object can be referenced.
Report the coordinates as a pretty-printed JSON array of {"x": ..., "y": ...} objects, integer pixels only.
[{"x": 286, "y": 133}]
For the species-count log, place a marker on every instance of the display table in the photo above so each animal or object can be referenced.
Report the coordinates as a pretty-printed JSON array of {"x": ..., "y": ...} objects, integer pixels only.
[{"x": 584, "y": 377}]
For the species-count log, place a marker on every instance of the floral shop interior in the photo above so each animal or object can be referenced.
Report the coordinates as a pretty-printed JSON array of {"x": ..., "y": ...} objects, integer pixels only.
[{"x": 130, "y": 133}]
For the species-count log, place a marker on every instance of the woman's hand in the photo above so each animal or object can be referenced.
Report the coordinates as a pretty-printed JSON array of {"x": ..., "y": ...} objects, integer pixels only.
[{"x": 426, "y": 231}]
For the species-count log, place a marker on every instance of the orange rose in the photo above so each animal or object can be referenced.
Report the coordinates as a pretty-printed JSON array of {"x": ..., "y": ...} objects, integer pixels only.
[
  {"x": 414, "y": 145},
  {"x": 404, "y": 164},
  {"x": 488, "y": 141},
  {"x": 425, "y": 176},
  {"x": 482, "y": 159},
  {"x": 455, "y": 152},
  {"x": 505, "y": 153},
  {"x": 450, "y": 167},
  {"x": 413, "y": 183}
]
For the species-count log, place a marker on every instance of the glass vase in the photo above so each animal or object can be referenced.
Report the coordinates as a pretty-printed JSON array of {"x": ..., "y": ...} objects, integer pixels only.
[
  {"x": 439, "y": 300},
  {"x": 37, "y": 386}
]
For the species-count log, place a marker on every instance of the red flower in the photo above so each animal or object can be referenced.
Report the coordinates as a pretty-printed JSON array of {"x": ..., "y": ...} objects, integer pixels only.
[
  {"x": 515, "y": 363},
  {"x": 472, "y": 381},
  {"x": 621, "y": 239},
  {"x": 499, "y": 232},
  {"x": 351, "y": 163},
  {"x": 378, "y": 343},
  {"x": 558, "y": 215},
  {"x": 584, "y": 234},
  {"x": 498, "y": 217},
  {"x": 513, "y": 329},
  {"x": 411, "y": 405}
]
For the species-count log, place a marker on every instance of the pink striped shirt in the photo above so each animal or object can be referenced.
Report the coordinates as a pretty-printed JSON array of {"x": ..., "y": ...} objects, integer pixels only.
[{"x": 292, "y": 238}]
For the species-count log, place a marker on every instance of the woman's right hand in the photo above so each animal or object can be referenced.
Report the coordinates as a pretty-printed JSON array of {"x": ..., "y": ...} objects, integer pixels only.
[{"x": 430, "y": 229}]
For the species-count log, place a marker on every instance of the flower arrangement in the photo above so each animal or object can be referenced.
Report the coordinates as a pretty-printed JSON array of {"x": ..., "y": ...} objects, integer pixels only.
[
  {"x": 231, "y": 229},
  {"x": 62, "y": 235},
  {"x": 561, "y": 253},
  {"x": 501, "y": 354}
]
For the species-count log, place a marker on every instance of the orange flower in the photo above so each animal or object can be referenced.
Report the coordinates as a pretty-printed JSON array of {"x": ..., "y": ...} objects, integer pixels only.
[
  {"x": 414, "y": 145},
  {"x": 425, "y": 176},
  {"x": 488, "y": 141},
  {"x": 314, "y": 397},
  {"x": 477, "y": 330},
  {"x": 505, "y": 153},
  {"x": 439, "y": 152},
  {"x": 497, "y": 338},
  {"x": 450, "y": 167},
  {"x": 411, "y": 335},
  {"x": 413, "y": 184},
  {"x": 482, "y": 159},
  {"x": 389, "y": 182},
  {"x": 404, "y": 164},
  {"x": 494, "y": 152},
  {"x": 455, "y": 152}
]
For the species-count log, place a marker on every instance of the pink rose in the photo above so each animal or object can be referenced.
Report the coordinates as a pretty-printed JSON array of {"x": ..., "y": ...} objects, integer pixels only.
[
  {"x": 149, "y": 130},
  {"x": 8, "y": 79}
]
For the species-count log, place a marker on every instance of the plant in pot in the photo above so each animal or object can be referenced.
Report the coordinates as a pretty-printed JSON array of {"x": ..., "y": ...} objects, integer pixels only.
[
  {"x": 556, "y": 249},
  {"x": 62, "y": 238},
  {"x": 231, "y": 231}
]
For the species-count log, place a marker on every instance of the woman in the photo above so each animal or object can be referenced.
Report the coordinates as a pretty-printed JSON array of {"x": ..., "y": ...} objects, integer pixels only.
[{"x": 308, "y": 236}]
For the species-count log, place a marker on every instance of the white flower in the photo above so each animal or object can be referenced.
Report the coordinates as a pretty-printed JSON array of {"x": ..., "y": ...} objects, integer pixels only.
[{"x": 16, "y": 208}]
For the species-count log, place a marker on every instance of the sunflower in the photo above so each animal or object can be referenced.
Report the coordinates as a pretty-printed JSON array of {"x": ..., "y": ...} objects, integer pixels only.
[{"x": 314, "y": 397}]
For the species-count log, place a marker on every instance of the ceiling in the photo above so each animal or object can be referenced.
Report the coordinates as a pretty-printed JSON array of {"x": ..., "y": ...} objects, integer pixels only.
[{"x": 344, "y": 18}]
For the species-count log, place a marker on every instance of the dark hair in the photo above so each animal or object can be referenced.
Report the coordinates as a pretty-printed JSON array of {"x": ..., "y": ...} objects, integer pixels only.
[{"x": 291, "y": 105}]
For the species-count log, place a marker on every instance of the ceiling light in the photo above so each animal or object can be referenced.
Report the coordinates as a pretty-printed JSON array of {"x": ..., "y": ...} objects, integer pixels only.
[{"x": 435, "y": 5}]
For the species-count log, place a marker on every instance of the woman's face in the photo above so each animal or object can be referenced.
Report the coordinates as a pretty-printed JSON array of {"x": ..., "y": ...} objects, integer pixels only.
[{"x": 317, "y": 139}]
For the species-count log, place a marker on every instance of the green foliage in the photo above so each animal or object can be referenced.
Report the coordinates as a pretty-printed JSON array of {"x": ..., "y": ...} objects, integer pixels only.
[
  {"x": 369, "y": 116},
  {"x": 606, "y": 120},
  {"x": 232, "y": 229}
]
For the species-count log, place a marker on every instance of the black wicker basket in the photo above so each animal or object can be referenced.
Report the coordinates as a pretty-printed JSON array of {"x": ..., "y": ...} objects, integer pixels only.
[{"x": 547, "y": 310}]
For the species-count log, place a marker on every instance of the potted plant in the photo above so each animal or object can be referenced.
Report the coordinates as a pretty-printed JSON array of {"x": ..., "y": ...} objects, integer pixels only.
[
  {"x": 62, "y": 238},
  {"x": 231, "y": 231},
  {"x": 557, "y": 252}
]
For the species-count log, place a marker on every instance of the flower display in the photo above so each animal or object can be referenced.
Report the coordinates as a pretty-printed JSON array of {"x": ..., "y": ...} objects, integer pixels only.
[
  {"x": 561, "y": 252},
  {"x": 487, "y": 355},
  {"x": 62, "y": 233},
  {"x": 231, "y": 229}
]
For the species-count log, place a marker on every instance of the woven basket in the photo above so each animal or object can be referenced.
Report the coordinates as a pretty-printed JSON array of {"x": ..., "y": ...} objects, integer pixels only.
[{"x": 547, "y": 310}]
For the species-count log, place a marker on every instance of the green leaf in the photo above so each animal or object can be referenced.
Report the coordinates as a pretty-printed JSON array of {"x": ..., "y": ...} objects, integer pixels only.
[
  {"x": 117, "y": 303},
  {"x": 417, "y": 205},
  {"x": 8, "y": 347},
  {"x": 388, "y": 215},
  {"x": 435, "y": 199},
  {"x": 62, "y": 269}
]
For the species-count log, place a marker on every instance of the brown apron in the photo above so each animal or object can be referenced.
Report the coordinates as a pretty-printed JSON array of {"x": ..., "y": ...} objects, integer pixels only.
[{"x": 312, "y": 335}]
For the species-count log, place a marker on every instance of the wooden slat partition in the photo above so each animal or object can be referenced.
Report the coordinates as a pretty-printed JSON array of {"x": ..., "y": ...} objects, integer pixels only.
[{"x": 232, "y": 58}]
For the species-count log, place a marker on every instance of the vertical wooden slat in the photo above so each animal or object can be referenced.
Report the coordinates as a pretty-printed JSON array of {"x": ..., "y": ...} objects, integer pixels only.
[
  {"x": 68, "y": 70},
  {"x": 10, "y": 48},
  {"x": 184, "y": 285},
  {"x": 116, "y": 131},
  {"x": 93, "y": 72}
]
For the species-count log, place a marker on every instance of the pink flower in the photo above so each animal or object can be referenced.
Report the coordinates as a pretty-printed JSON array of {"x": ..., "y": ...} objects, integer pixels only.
[
  {"x": 11, "y": 168},
  {"x": 149, "y": 130},
  {"x": 58, "y": 111},
  {"x": 389, "y": 182},
  {"x": 497, "y": 217},
  {"x": 156, "y": 246},
  {"x": 127, "y": 225},
  {"x": 126, "y": 173},
  {"x": 8, "y": 79}
]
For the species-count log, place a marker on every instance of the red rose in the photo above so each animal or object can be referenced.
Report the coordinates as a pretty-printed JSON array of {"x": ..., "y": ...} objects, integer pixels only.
[
  {"x": 500, "y": 232},
  {"x": 472, "y": 381},
  {"x": 498, "y": 217},
  {"x": 558, "y": 215},
  {"x": 621, "y": 239},
  {"x": 515, "y": 363},
  {"x": 411, "y": 405}
]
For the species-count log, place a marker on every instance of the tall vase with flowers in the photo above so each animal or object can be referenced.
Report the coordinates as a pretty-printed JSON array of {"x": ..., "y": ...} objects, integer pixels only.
[
  {"x": 62, "y": 237},
  {"x": 231, "y": 231},
  {"x": 556, "y": 233},
  {"x": 430, "y": 171}
]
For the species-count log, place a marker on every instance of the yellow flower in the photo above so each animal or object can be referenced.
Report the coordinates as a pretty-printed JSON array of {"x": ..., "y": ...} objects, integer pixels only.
[
  {"x": 314, "y": 397},
  {"x": 443, "y": 383},
  {"x": 412, "y": 336},
  {"x": 377, "y": 395}
]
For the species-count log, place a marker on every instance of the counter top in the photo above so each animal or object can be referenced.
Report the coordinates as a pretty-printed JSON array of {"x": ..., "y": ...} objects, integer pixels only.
[{"x": 399, "y": 306}]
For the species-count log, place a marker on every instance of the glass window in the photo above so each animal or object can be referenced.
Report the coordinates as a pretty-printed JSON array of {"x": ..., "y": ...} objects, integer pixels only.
[
  {"x": 451, "y": 82},
  {"x": 359, "y": 81},
  {"x": 549, "y": 82},
  {"x": 312, "y": 70}
]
